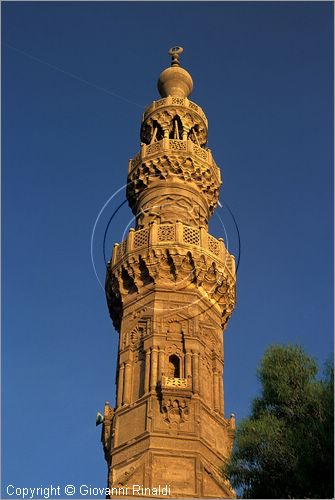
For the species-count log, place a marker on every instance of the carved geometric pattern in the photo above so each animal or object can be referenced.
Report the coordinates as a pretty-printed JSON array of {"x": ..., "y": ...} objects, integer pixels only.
[
  {"x": 180, "y": 166},
  {"x": 175, "y": 410},
  {"x": 183, "y": 269},
  {"x": 174, "y": 349},
  {"x": 134, "y": 336},
  {"x": 213, "y": 245},
  {"x": 172, "y": 145},
  {"x": 172, "y": 207},
  {"x": 200, "y": 152},
  {"x": 174, "y": 382},
  {"x": 166, "y": 232},
  {"x": 191, "y": 235},
  {"x": 177, "y": 145},
  {"x": 178, "y": 100},
  {"x": 141, "y": 238},
  {"x": 153, "y": 148}
]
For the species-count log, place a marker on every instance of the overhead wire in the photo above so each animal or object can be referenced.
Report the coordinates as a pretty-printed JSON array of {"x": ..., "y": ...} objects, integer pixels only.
[
  {"x": 117, "y": 96},
  {"x": 76, "y": 77}
]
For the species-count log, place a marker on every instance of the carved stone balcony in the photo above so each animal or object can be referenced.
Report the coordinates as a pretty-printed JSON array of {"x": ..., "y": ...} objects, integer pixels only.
[
  {"x": 175, "y": 382},
  {"x": 163, "y": 235},
  {"x": 176, "y": 394},
  {"x": 166, "y": 145},
  {"x": 174, "y": 160},
  {"x": 172, "y": 257},
  {"x": 174, "y": 101}
]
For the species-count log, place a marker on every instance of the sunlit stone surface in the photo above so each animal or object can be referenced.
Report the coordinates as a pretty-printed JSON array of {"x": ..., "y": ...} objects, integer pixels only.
[{"x": 170, "y": 289}]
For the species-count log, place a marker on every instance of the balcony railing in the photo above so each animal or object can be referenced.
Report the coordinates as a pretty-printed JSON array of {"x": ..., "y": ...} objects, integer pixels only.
[
  {"x": 174, "y": 382},
  {"x": 175, "y": 101},
  {"x": 156, "y": 234},
  {"x": 175, "y": 146}
]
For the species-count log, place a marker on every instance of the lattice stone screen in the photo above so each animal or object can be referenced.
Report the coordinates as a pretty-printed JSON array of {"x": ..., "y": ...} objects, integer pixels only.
[
  {"x": 174, "y": 382},
  {"x": 166, "y": 232},
  {"x": 177, "y": 145},
  {"x": 191, "y": 235},
  {"x": 141, "y": 238}
]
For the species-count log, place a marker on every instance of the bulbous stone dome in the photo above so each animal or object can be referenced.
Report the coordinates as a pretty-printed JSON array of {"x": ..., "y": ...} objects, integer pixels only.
[{"x": 175, "y": 81}]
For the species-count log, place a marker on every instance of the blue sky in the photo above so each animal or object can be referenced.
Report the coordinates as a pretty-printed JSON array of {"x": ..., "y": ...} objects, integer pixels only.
[{"x": 76, "y": 78}]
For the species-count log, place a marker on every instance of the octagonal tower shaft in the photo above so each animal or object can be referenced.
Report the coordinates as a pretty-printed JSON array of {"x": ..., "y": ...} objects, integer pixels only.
[{"x": 170, "y": 288}]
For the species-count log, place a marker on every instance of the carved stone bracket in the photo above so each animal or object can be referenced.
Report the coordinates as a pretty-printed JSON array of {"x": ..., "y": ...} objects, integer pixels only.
[
  {"x": 179, "y": 269},
  {"x": 175, "y": 396},
  {"x": 176, "y": 164}
]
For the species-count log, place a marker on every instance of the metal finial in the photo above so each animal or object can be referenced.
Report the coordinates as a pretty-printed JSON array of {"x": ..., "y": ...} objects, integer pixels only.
[{"x": 175, "y": 52}]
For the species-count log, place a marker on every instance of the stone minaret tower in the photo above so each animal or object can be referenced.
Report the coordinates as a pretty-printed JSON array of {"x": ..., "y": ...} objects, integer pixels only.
[{"x": 170, "y": 289}]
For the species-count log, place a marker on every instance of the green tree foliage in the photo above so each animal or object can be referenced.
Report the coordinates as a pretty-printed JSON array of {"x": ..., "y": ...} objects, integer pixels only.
[{"x": 285, "y": 448}]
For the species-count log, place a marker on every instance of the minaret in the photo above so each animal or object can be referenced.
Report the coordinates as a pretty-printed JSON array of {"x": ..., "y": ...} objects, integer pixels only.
[{"x": 170, "y": 289}]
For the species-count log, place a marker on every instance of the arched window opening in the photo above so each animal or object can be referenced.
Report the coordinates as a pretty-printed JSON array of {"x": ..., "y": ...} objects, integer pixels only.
[
  {"x": 145, "y": 133},
  {"x": 177, "y": 128},
  {"x": 193, "y": 135},
  {"x": 174, "y": 366},
  {"x": 151, "y": 133},
  {"x": 158, "y": 132}
]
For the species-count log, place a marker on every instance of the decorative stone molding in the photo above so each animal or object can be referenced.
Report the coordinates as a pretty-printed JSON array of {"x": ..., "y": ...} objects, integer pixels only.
[
  {"x": 179, "y": 267},
  {"x": 158, "y": 235},
  {"x": 173, "y": 160},
  {"x": 166, "y": 206},
  {"x": 173, "y": 146},
  {"x": 174, "y": 382},
  {"x": 175, "y": 410},
  {"x": 174, "y": 101},
  {"x": 133, "y": 337}
]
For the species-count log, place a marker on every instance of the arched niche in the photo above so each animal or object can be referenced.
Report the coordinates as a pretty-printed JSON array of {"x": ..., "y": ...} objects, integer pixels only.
[{"x": 173, "y": 368}]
